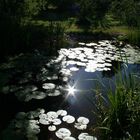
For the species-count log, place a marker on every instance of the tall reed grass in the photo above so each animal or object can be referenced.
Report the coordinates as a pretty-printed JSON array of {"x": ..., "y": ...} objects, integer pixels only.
[
  {"x": 118, "y": 116},
  {"x": 134, "y": 36}
]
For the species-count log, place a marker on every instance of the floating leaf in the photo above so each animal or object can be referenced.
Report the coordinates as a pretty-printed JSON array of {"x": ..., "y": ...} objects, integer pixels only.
[
  {"x": 62, "y": 133},
  {"x": 48, "y": 86},
  {"x": 83, "y": 120},
  {"x": 62, "y": 112},
  {"x": 52, "y": 128},
  {"x": 68, "y": 119}
]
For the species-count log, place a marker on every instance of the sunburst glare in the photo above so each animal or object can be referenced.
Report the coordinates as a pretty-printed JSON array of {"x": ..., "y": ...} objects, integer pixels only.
[{"x": 71, "y": 90}]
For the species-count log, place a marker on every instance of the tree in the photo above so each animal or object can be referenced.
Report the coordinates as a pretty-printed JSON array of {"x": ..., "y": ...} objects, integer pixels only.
[
  {"x": 19, "y": 9},
  {"x": 93, "y": 12},
  {"x": 127, "y": 11},
  {"x": 62, "y": 4},
  {"x": 12, "y": 15}
]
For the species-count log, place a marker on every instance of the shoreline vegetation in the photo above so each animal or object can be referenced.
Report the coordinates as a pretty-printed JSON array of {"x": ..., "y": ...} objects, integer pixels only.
[
  {"x": 122, "y": 33},
  {"x": 51, "y": 35},
  {"x": 27, "y": 26},
  {"x": 45, "y": 23},
  {"x": 118, "y": 114}
]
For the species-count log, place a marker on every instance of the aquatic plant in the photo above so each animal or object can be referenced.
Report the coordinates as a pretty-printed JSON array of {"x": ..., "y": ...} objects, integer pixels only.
[
  {"x": 62, "y": 133},
  {"x": 28, "y": 125},
  {"x": 43, "y": 76},
  {"x": 134, "y": 36},
  {"x": 119, "y": 115},
  {"x": 68, "y": 119}
]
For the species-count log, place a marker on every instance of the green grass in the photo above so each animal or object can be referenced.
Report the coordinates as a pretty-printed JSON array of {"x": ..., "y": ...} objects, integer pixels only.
[
  {"x": 71, "y": 26},
  {"x": 134, "y": 36},
  {"x": 120, "y": 118},
  {"x": 115, "y": 29}
]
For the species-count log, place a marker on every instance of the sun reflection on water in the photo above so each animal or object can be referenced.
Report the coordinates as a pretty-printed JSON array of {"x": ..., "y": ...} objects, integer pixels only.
[{"x": 71, "y": 90}]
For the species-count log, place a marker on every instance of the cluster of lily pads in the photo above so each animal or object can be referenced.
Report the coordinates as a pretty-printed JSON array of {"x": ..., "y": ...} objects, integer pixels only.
[
  {"x": 36, "y": 76},
  {"x": 52, "y": 118},
  {"x": 29, "y": 124},
  {"x": 97, "y": 56},
  {"x": 49, "y": 80}
]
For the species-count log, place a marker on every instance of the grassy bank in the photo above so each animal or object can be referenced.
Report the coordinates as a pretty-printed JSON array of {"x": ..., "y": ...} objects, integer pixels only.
[
  {"x": 50, "y": 33},
  {"x": 123, "y": 33}
]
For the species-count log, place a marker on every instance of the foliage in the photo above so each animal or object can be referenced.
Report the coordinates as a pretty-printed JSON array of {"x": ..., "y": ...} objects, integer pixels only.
[
  {"x": 134, "y": 36},
  {"x": 93, "y": 12},
  {"x": 17, "y": 32},
  {"x": 55, "y": 35},
  {"x": 18, "y": 9},
  {"x": 61, "y": 4},
  {"x": 13, "y": 15},
  {"x": 127, "y": 11},
  {"x": 119, "y": 118}
]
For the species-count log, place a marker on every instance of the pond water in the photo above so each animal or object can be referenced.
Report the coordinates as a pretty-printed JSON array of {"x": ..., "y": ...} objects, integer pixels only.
[{"x": 53, "y": 97}]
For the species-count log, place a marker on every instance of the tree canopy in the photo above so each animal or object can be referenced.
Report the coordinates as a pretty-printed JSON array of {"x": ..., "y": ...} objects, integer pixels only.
[
  {"x": 19, "y": 9},
  {"x": 128, "y": 11},
  {"x": 93, "y": 12}
]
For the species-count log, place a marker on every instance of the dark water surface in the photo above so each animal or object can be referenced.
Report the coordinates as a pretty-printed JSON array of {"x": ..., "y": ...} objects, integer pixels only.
[{"x": 65, "y": 82}]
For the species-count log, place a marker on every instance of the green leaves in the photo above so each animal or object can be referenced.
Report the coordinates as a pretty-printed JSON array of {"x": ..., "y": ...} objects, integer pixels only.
[
  {"x": 127, "y": 11},
  {"x": 21, "y": 9},
  {"x": 93, "y": 12},
  {"x": 122, "y": 115}
]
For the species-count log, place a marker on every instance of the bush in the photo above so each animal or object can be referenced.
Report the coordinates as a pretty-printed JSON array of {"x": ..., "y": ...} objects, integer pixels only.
[
  {"x": 93, "y": 12},
  {"x": 134, "y": 36}
]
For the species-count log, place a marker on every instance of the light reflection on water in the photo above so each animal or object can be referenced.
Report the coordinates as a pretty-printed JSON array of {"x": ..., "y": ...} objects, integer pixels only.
[
  {"x": 82, "y": 69},
  {"x": 96, "y": 63}
]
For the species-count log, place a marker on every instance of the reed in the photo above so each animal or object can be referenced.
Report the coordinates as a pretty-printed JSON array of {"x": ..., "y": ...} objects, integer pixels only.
[{"x": 118, "y": 116}]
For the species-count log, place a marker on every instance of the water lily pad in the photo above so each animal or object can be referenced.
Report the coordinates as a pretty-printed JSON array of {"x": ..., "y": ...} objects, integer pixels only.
[
  {"x": 108, "y": 64},
  {"x": 72, "y": 56},
  {"x": 30, "y": 88},
  {"x": 62, "y": 112},
  {"x": 42, "y": 116},
  {"x": 80, "y": 126},
  {"x": 38, "y": 95},
  {"x": 81, "y": 43},
  {"x": 74, "y": 69},
  {"x": 54, "y": 77},
  {"x": 83, "y": 120},
  {"x": 81, "y": 64},
  {"x": 56, "y": 121},
  {"x": 70, "y": 62},
  {"x": 90, "y": 44},
  {"x": 65, "y": 79},
  {"x": 86, "y": 136},
  {"x": 83, "y": 136},
  {"x": 62, "y": 133},
  {"x": 65, "y": 72},
  {"x": 44, "y": 121},
  {"x": 55, "y": 93},
  {"x": 32, "y": 127},
  {"x": 90, "y": 70},
  {"x": 52, "y": 115},
  {"x": 68, "y": 119},
  {"x": 48, "y": 86},
  {"x": 33, "y": 114},
  {"x": 52, "y": 128}
]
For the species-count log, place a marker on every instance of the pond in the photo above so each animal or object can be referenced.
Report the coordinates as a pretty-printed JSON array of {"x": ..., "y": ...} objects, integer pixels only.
[{"x": 53, "y": 97}]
